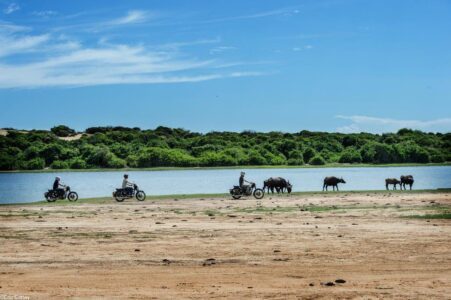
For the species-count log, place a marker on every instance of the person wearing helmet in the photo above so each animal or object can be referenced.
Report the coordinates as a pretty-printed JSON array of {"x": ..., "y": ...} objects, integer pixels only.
[
  {"x": 127, "y": 185},
  {"x": 58, "y": 186}
]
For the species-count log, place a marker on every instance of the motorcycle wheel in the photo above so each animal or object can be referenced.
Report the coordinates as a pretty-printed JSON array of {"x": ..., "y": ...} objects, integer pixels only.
[
  {"x": 119, "y": 196},
  {"x": 140, "y": 196},
  {"x": 73, "y": 196},
  {"x": 259, "y": 193},
  {"x": 50, "y": 197},
  {"x": 236, "y": 194}
]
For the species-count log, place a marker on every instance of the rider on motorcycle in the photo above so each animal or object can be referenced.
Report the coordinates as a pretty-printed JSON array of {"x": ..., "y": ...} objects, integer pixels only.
[
  {"x": 58, "y": 186},
  {"x": 243, "y": 186},
  {"x": 127, "y": 185}
]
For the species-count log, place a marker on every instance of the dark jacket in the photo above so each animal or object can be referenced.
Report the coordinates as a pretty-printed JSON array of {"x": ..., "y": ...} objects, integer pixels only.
[{"x": 241, "y": 180}]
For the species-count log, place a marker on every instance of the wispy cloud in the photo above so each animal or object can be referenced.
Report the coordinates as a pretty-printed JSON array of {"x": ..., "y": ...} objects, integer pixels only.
[
  {"x": 178, "y": 45},
  {"x": 306, "y": 47},
  {"x": 381, "y": 125},
  {"x": 12, "y": 7},
  {"x": 286, "y": 11},
  {"x": 8, "y": 28},
  {"x": 44, "y": 13},
  {"x": 21, "y": 45},
  {"x": 133, "y": 17},
  {"x": 60, "y": 61},
  {"x": 221, "y": 49}
]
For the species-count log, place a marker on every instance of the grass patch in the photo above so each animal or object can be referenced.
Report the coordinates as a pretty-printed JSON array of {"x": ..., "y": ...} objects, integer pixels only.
[
  {"x": 15, "y": 235},
  {"x": 317, "y": 208},
  {"x": 212, "y": 212},
  {"x": 94, "y": 235},
  {"x": 445, "y": 215}
]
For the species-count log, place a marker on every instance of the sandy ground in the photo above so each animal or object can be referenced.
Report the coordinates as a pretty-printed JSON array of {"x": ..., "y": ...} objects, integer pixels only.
[{"x": 275, "y": 248}]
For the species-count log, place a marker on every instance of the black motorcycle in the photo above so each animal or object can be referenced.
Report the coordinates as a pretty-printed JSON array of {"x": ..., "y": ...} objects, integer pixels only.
[
  {"x": 122, "y": 194},
  {"x": 53, "y": 195},
  {"x": 237, "y": 192}
]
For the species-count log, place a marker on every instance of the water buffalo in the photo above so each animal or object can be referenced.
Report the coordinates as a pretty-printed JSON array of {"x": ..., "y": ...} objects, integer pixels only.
[
  {"x": 393, "y": 181},
  {"x": 278, "y": 183},
  {"x": 332, "y": 181},
  {"x": 407, "y": 179}
]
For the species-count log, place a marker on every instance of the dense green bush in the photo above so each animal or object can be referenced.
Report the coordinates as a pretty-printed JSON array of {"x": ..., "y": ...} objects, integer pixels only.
[
  {"x": 117, "y": 147},
  {"x": 350, "y": 155},
  {"x": 317, "y": 160},
  {"x": 77, "y": 163},
  {"x": 58, "y": 164},
  {"x": 62, "y": 131},
  {"x": 34, "y": 164},
  {"x": 309, "y": 153}
]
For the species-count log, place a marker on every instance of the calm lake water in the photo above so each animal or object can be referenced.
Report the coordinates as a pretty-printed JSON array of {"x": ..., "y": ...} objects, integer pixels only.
[{"x": 30, "y": 187}]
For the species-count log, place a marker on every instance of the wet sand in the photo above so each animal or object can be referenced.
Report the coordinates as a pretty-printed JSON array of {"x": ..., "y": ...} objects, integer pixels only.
[{"x": 276, "y": 248}]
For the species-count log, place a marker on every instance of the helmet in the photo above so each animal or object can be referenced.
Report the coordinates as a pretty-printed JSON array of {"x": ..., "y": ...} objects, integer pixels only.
[
  {"x": 125, "y": 175},
  {"x": 57, "y": 178}
]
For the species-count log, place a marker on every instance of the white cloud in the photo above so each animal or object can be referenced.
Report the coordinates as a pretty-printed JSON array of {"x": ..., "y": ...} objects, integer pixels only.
[
  {"x": 12, "y": 7},
  {"x": 6, "y": 28},
  {"x": 286, "y": 11},
  {"x": 381, "y": 125},
  {"x": 306, "y": 47},
  {"x": 221, "y": 49},
  {"x": 133, "y": 17},
  {"x": 44, "y": 13},
  {"x": 55, "y": 59},
  {"x": 59, "y": 61},
  {"x": 20, "y": 45}
]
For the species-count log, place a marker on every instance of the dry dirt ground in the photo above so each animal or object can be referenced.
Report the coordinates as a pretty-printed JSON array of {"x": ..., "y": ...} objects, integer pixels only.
[{"x": 275, "y": 248}]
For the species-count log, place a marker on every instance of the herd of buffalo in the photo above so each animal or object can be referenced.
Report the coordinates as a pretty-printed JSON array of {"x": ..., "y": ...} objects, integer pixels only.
[{"x": 280, "y": 185}]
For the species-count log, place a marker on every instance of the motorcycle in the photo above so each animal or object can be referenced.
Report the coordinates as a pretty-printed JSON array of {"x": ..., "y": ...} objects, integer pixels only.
[
  {"x": 122, "y": 194},
  {"x": 237, "y": 192},
  {"x": 53, "y": 195}
]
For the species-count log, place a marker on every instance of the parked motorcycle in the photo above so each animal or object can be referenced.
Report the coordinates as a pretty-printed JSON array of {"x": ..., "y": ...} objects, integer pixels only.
[
  {"x": 122, "y": 194},
  {"x": 53, "y": 195},
  {"x": 248, "y": 190}
]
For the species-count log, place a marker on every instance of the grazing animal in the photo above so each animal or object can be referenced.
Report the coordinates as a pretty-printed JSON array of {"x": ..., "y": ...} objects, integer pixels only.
[
  {"x": 278, "y": 183},
  {"x": 393, "y": 181},
  {"x": 407, "y": 179},
  {"x": 332, "y": 181}
]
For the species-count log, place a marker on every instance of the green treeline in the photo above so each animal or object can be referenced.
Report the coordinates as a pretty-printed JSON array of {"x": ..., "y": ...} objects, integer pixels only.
[{"x": 118, "y": 147}]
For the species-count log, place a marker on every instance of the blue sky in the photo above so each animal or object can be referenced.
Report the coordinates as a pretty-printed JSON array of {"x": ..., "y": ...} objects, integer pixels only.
[{"x": 328, "y": 65}]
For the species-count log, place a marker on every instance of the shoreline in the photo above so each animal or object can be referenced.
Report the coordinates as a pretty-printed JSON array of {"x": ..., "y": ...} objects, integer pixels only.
[
  {"x": 334, "y": 165},
  {"x": 177, "y": 197}
]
